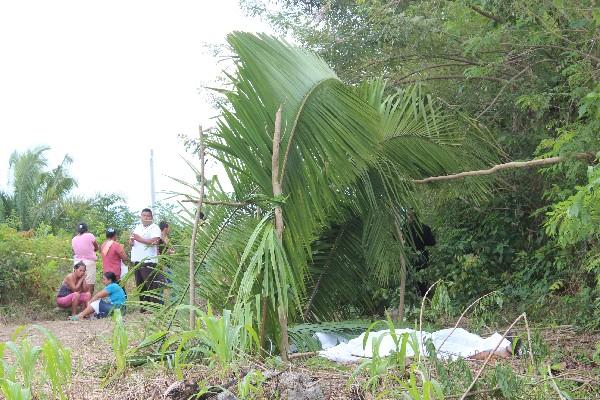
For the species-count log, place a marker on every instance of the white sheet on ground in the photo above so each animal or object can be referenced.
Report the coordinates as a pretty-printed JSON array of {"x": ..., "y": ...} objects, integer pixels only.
[
  {"x": 459, "y": 343},
  {"x": 329, "y": 340}
]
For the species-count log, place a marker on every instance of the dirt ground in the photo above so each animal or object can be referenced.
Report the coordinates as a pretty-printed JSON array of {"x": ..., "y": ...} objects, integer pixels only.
[{"x": 91, "y": 352}]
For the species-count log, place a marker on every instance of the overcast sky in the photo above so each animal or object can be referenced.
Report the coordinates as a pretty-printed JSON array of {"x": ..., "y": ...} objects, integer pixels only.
[{"x": 107, "y": 81}]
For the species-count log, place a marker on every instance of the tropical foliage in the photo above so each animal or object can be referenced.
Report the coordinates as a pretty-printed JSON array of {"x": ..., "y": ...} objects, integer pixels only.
[
  {"x": 32, "y": 367},
  {"x": 36, "y": 192},
  {"x": 39, "y": 196},
  {"x": 526, "y": 70},
  {"x": 349, "y": 155},
  {"x": 32, "y": 266}
]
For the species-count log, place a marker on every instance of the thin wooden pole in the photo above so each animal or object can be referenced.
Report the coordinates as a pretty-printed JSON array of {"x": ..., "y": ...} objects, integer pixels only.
[
  {"x": 277, "y": 191},
  {"x": 192, "y": 277}
]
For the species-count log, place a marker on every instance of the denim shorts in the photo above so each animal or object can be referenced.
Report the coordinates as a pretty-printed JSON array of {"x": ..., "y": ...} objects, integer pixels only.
[{"x": 102, "y": 308}]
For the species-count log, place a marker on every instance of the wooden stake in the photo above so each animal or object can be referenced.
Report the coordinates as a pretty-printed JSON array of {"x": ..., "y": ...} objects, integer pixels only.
[
  {"x": 277, "y": 191},
  {"x": 192, "y": 277}
]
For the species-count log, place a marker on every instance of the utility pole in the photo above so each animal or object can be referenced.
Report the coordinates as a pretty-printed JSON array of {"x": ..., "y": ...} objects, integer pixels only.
[{"x": 152, "y": 189}]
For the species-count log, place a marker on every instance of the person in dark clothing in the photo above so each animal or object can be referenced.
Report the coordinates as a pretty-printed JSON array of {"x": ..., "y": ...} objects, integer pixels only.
[
  {"x": 163, "y": 243},
  {"x": 420, "y": 237}
]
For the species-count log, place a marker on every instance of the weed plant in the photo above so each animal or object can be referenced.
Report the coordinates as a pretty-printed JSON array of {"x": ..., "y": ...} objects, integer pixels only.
[{"x": 33, "y": 367}]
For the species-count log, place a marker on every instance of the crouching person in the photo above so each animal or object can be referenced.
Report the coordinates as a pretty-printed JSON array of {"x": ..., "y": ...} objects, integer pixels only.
[
  {"x": 103, "y": 302},
  {"x": 71, "y": 293}
]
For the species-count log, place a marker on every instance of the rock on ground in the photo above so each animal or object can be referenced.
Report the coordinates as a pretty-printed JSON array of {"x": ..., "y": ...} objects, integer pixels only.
[{"x": 299, "y": 386}]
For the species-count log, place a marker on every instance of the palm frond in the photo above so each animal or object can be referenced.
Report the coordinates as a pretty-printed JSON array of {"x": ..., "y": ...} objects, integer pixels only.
[
  {"x": 338, "y": 271},
  {"x": 328, "y": 133},
  {"x": 304, "y": 336}
]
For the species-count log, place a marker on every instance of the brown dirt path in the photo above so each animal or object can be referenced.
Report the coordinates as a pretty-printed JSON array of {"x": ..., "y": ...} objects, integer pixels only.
[{"x": 90, "y": 344}]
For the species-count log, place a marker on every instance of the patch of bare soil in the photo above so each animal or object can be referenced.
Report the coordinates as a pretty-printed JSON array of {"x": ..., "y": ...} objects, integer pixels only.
[
  {"x": 91, "y": 351},
  {"x": 90, "y": 342}
]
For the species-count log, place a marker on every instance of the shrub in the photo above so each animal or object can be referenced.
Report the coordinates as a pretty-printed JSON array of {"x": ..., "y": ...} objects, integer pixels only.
[{"x": 26, "y": 267}]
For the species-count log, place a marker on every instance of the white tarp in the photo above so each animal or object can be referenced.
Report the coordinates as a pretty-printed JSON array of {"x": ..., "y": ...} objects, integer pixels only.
[{"x": 459, "y": 343}]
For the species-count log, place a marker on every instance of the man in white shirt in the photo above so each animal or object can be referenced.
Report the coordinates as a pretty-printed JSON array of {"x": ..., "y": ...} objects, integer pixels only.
[{"x": 144, "y": 251}]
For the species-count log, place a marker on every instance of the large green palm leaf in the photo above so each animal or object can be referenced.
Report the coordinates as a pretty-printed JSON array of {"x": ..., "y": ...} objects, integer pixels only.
[
  {"x": 328, "y": 133},
  {"x": 418, "y": 139}
]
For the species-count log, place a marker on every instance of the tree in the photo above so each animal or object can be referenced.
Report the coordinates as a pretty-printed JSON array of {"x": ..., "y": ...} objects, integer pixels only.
[
  {"x": 36, "y": 193},
  {"x": 525, "y": 70},
  {"x": 347, "y": 156}
]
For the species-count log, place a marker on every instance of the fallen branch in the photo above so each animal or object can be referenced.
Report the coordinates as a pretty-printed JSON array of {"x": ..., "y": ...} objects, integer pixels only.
[
  {"x": 510, "y": 165},
  {"x": 302, "y": 355}
]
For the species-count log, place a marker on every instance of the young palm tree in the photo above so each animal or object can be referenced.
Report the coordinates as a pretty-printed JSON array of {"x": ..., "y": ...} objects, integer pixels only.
[{"x": 347, "y": 158}]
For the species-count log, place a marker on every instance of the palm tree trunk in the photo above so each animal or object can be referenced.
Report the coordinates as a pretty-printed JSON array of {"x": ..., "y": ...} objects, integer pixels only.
[
  {"x": 277, "y": 191},
  {"x": 402, "y": 274},
  {"x": 263, "y": 322}
]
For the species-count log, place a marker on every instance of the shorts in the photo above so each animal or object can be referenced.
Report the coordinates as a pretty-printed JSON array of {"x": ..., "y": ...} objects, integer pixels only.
[
  {"x": 90, "y": 270},
  {"x": 67, "y": 301},
  {"x": 102, "y": 308}
]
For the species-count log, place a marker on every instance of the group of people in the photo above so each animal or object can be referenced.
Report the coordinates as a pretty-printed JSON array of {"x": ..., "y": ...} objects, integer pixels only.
[{"x": 147, "y": 241}]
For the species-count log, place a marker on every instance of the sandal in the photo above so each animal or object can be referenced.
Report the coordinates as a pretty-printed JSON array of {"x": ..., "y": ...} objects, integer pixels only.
[{"x": 74, "y": 318}]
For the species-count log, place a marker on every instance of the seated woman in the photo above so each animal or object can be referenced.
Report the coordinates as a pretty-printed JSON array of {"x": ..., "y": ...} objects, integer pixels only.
[
  {"x": 103, "y": 302},
  {"x": 71, "y": 292}
]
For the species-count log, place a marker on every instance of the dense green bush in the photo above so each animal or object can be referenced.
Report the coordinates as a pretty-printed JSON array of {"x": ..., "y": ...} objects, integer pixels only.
[{"x": 27, "y": 270}]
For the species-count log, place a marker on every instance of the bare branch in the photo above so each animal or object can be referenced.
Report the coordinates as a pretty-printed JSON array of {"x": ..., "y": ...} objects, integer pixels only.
[
  {"x": 450, "y": 77},
  {"x": 432, "y": 67},
  {"x": 220, "y": 203},
  {"x": 485, "y": 13},
  {"x": 510, "y": 165},
  {"x": 508, "y": 83}
]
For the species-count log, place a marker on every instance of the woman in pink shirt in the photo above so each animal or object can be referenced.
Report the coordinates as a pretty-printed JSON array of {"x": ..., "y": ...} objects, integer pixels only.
[
  {"x": 84, "y": 249},
  {"x": 113, "y": 254}
]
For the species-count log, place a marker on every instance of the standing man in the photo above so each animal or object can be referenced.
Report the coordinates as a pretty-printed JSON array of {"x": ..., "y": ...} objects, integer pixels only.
[{"x": 144, "y": 252}]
